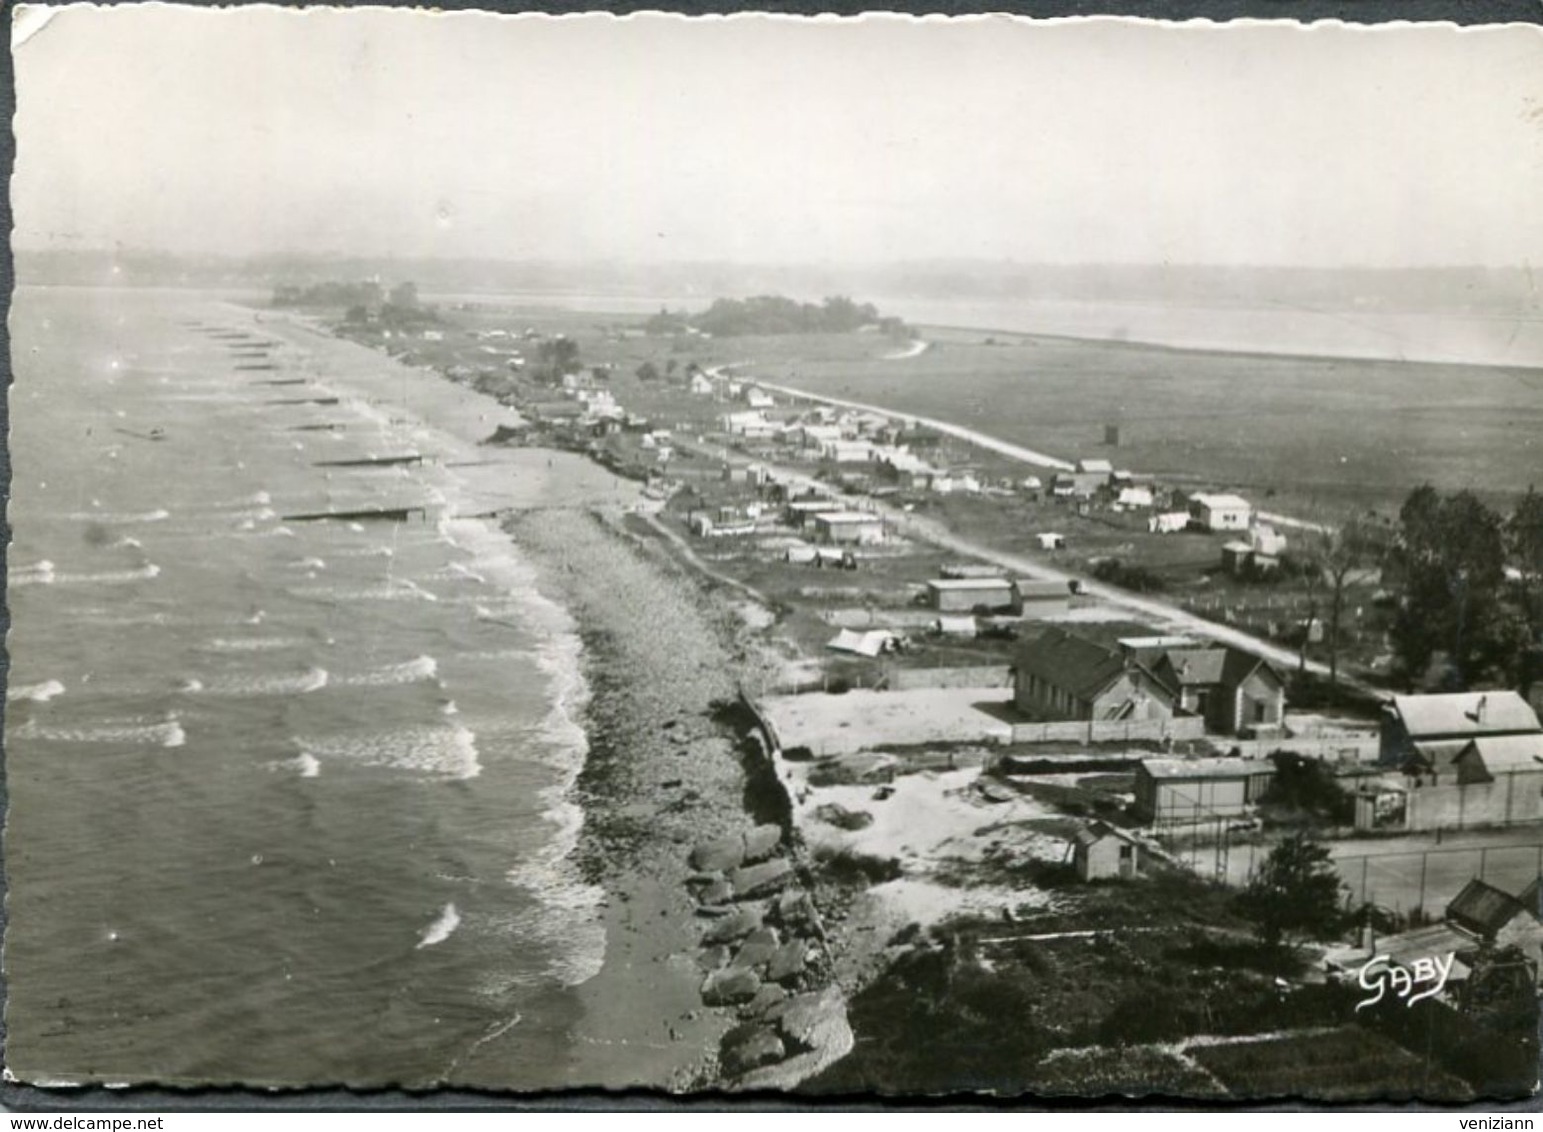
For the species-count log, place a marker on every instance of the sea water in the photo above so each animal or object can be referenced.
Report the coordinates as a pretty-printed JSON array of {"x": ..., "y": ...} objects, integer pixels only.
[{"x": 289, "y": 800}]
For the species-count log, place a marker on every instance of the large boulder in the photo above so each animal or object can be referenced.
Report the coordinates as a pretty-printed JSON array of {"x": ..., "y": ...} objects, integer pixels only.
[
  {"x": 761, "y": 842},
  {"x": 821, "y": 1022},
  {"x": 763, "y": 879},
  {"x": 758, "y": 948},
  {"x": 788, "y": 961},
  {"x": 812, "y": 1021},
  {"x": 719, "y": 855},
  {"x": 730, "y": 986},
  {"x": 769, "y": 996},
  {"x": 713, "y": 958},
  {"x": 740, "y": 922},
  {"x": 795, "y": 908},
  {"x": 718, "y": 893},
  {"x": 749, "y": 1047}
]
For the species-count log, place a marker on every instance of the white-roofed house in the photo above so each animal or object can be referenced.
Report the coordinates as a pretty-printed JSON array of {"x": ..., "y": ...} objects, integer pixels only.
[
  {"x": 1469, "y": 759},
  {"x": 1223, "y": 512},
  {"x": 1134, "y": 498},
  {"x": 1101, "y": 851},
  {"x": 862, "y": 528},
  {"x": 961, "y": 595},
  {"x": 846, "y": 451},
  {"x": 1411, "y": 721}
]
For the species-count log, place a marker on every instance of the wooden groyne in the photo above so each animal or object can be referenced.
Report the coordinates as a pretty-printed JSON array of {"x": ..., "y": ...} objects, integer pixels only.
[
  {"x": 371, "y": 514},
  {"x": 372, "y": 462}
]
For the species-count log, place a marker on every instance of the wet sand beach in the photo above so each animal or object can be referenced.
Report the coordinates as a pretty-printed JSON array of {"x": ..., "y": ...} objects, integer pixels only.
[{"x": 659, "y": 774}]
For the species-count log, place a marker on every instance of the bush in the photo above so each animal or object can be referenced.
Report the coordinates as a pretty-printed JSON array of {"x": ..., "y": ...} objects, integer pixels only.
[
  {"x": 851, "y": 868},
  {"x": 1137, "y": 579},
  {"x": 1155, "y": 1014},
  {"x": 1307, "y": 785}
]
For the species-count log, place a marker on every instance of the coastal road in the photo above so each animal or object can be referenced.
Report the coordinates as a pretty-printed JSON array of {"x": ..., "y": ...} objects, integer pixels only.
[
  {"x": 1169, "y": 618},
  {"x": 979, "y": 439}
]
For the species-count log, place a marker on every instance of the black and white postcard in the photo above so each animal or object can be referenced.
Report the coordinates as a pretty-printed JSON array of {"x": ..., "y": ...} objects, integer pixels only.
[{"x": 762, "y": 554}]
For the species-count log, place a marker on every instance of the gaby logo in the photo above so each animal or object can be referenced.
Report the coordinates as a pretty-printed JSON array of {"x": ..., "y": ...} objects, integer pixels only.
[{"x": 1380, "y": 973}]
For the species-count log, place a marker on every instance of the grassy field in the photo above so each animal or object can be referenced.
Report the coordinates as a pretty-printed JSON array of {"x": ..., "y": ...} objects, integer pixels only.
[
  {"x": 1349, "y": 1063},
  {"x": 1312, "y": 435},
  {"x": 1184, "y": 567}
]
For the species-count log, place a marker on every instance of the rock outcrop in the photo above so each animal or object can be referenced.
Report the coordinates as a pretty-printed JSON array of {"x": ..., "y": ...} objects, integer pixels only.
[
  {"x": 761, "y": 880},
  {"x": 730, "y": 986}
]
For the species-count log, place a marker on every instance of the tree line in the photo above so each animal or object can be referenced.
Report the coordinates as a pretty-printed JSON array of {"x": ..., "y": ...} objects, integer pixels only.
[
  {"x": 774, "y": 315},
  {"x": 363, "y": 302},
  {"x": 1468, "y": 609},
  {"x": 1467, "y": 575}
]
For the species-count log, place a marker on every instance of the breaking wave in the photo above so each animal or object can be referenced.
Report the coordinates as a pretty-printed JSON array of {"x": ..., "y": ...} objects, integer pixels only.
[
  {"x": 443, "y": 752},
  {"x": 168, "y": 733},
  {"x": 305, "y": 765},
  {"x": 312, "y": 679},
  {"x": 253, "y": 644},
  {"x": 34, "y": 574},
  {"x": 37, "y": 693},
  {"x": 442, "y": 928},
  {"x": 156, "y": 516},
  {"x": 45, "y": 574},
  {"x": 410, "y": 672}
]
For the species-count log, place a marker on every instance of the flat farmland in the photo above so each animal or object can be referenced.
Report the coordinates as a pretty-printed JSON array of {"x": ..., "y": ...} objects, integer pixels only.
[{"x": 1323, "y": 435}]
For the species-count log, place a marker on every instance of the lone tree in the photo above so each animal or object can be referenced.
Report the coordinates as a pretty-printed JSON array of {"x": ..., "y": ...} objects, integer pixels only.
[
  {"x": 1332, "y": 558},
  {"x": 1296, "y": 894}
]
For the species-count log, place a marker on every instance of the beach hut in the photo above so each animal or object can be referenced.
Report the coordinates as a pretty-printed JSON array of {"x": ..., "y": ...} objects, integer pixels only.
[{"x": 1100, "y": 851}]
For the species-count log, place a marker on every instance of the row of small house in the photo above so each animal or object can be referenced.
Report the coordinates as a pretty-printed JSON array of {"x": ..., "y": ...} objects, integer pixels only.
[
  {"x": 828, "y": 521},
  {"x": 885, "y": 449}
]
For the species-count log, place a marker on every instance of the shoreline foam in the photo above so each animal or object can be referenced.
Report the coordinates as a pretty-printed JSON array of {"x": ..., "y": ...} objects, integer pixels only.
[{"x": 627, "y": 811}]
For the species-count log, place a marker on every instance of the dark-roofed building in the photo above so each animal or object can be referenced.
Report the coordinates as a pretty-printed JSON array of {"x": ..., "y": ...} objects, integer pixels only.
[
  {"x": 1501, "y": 920},
  {"x": 1483, "y": 909},
  {"x": 1531, "y": 898},
  {"x": 1060, "y": 676},
  {"x": 1236, "y": 691},
  {"x": 556, "y": 410}
]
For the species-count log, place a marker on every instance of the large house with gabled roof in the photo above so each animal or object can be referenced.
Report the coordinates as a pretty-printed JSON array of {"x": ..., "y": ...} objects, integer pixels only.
[
  {"x": 1061, "y": 676},
  {"x": 1236, "y": 691}
]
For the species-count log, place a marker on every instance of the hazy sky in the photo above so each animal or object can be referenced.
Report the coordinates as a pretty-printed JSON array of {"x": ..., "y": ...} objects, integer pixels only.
[{"x": 776, "y": 140}]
